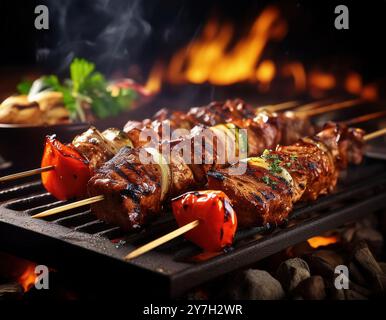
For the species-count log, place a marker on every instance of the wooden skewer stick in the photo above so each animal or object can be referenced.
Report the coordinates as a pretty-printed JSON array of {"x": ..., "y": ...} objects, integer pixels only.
[
  {"x": 26, "y": 173},
  {"x": 364, "y": 118},
  {"x": 273, "y": 108},
  {"x": 69, "y": 206},
  {"x": 331, "y": 107},
  {"x": 375, "y": 134},
  {"x": 313, "y": 105},
  {"x": 280, "y": 106},
  {"x": 180, "y": 231},
  {"x": 15, "y": 176},
  {"x": 171, "y": 235},
  {"x": 157, "y": 242}
]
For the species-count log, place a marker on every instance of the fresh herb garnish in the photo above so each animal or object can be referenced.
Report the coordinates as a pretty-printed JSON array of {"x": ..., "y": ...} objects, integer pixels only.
[
  {"x": 87, "y": 86},
  {"x": 274, "y": 162},
  {"x": 268, "y": 181},
  {"x": 24, "y": 86}
]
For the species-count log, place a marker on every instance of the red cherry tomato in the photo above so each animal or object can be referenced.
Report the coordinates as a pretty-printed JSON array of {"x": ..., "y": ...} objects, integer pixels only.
[
  {"x": 218, "y": 222},
  {"x": 71, "y": 173}
]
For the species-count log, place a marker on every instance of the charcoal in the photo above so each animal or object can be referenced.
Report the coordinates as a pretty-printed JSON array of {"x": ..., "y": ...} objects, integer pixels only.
[
  {"x": 312, "y": 288},
  {"x": 323, "y": 262},
  {"x": 373, "y": 238},
  {"x": 366, "y": 261},
  {"x": 255, "y": 284},
  {"x": 291, "y": 272}
]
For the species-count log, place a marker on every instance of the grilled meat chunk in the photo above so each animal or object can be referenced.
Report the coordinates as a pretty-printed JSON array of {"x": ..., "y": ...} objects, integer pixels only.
[
  {"x": 132, "y": 190},
  {"x": 94, "y": 147},
  {"x": 307, "y": 169},
  {"x": 257, "y": 196}
]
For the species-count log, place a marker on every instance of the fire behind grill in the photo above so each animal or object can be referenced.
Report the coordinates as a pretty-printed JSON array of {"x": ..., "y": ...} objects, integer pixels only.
[{"x": 94, "y": 250}]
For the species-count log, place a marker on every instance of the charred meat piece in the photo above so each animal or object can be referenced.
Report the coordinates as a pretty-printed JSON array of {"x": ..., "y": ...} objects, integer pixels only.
[
  {"x": 132, "y": 190},
  {"x": 93, "y": 147},
  {"x": 264, "y": 130},
  {"x": 294, "y": 126},
  {"x": 306, "y": 170},
  {"x": 222, "y": 112},
  {"x": 257, "y": 196}
]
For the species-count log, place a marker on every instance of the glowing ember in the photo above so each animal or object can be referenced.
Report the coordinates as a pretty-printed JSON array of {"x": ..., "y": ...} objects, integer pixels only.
[
  {"x": 319, "y": 241},
  {"x": 28, "y": 277}
]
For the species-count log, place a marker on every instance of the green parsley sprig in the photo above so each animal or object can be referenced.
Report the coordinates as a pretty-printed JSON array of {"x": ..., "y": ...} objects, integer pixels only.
[{"x": 86, "y": 86}]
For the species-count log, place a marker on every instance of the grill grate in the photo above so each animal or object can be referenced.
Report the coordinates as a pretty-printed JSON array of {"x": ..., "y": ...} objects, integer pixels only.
[{"x": 78, "y": 236}]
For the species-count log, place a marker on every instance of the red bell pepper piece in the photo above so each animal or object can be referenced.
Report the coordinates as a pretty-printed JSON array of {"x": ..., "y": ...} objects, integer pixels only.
[
  {"x": 71, "y": 172},
  {"x": 218, "y": 222}
]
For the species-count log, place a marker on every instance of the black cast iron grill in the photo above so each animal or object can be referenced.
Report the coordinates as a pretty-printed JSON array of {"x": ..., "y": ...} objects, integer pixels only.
[{"x": 76, "y": 241}]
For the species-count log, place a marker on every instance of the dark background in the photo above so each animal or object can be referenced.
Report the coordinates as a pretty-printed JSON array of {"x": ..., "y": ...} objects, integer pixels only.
[{"x": 118, "y": 33}]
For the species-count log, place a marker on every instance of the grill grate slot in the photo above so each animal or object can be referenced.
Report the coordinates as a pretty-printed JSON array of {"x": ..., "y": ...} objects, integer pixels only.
[
  {"x": 34, "y": 201},
  {"x": 73, "y": 220},
  {"x": 44, "y": 207},
  {"x": 92, "y": 227},
  {"x": 111, "y": 233},
  {"x": 181, "y": 263},
  {"x": 20, "y": 191}
]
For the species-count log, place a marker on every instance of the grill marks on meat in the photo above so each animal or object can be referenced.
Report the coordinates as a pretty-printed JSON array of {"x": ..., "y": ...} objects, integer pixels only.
[
  {"x": 132, "y": 189},
  {"x": 129, "y": 187},
  {"x": 313, "y": 164},
  {"x": 255, "y": 202}
]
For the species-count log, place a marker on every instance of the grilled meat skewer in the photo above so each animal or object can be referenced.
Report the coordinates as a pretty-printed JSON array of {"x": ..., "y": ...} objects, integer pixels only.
[
  {"x": 269, "y": 128},
  {"x": 134, "y": 192},
  {"x": 93, "y": 148},
  {"x": 303, "y": 171}
]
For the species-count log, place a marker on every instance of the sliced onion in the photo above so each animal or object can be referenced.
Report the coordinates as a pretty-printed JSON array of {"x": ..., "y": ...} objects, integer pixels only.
[
  {"x": 262, "y": 163},
  {"x": 93, "y": 134},
  {"x": 117, "y": 138},
  {"x": 257, "y": 161},
  {"x": 165, "y": 170},
  {"x": 231, "y": 135}
]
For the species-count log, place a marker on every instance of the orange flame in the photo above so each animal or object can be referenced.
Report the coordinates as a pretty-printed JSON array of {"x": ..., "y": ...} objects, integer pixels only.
[
  {"x": 218, "y": 58},
  {"x": 297, "y": 72},
  {"x": 28, "y": 277},
  {"x": 320, "y": 241},
  {"x": 153, "y": 84},
  {"x": 213, "y": 57},
  {"x": 266, "y": 72}
]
